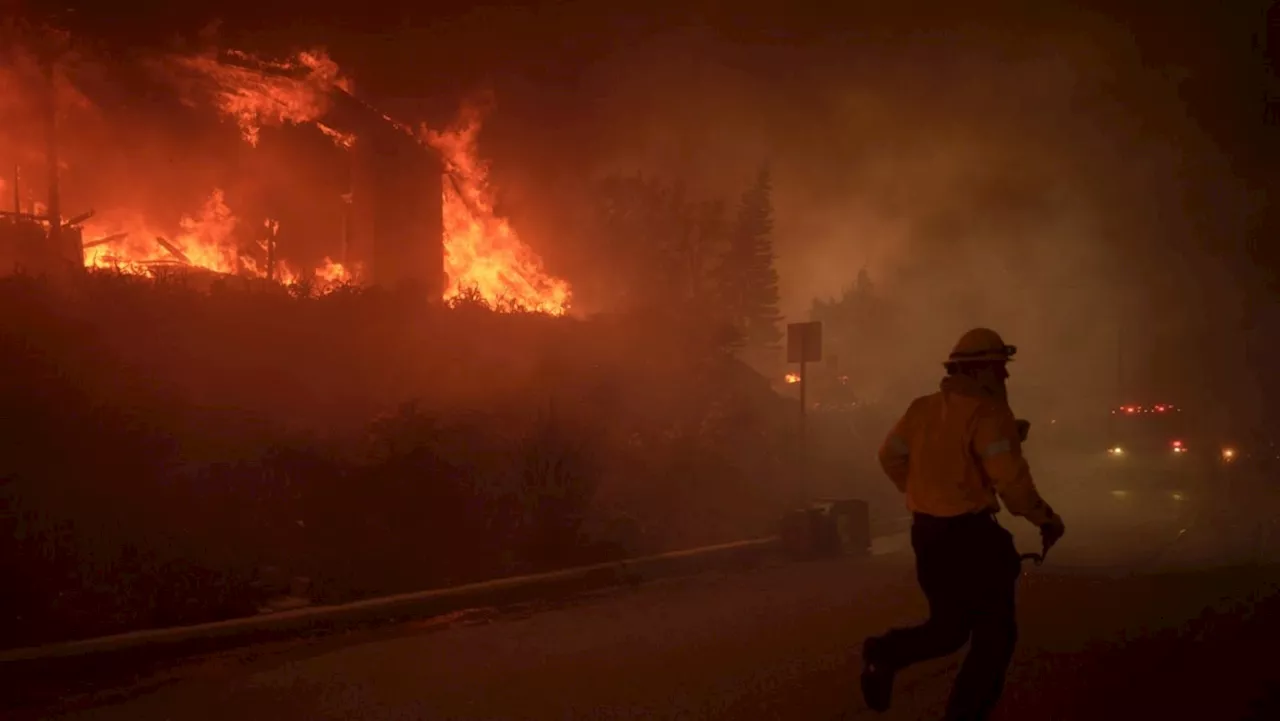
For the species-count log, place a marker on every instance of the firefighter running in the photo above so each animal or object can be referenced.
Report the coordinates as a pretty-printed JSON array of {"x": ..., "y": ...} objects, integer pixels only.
[{"x": 952, "y": 454}]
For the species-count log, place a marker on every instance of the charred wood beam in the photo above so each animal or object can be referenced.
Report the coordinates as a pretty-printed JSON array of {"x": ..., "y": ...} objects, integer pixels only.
[
  {"x": 24, "y": 215},
  {"x": 173, "y": 250},
  {"x": 77, "y": 220},
  {"x": 104, "y": 240}
]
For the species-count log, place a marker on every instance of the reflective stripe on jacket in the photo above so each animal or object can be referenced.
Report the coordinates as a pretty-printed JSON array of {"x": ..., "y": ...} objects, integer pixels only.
[{"x": 958, "y": 451}]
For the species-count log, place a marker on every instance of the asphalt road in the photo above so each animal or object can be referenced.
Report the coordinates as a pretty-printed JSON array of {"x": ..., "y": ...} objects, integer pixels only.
[{"x": 1146, "y": 611}]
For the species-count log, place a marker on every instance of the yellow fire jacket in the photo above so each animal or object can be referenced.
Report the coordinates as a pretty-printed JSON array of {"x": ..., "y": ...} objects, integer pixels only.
[{"x": 958, "y": 451}]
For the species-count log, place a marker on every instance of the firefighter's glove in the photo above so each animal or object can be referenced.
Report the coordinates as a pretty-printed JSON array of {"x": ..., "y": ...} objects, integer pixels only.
[
  {"x": 1024, "y": 429},
  {"x": 1051, "y": 531}
]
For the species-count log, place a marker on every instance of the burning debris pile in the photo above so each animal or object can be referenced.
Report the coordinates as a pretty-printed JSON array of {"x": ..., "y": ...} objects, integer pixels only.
[
  {"x": 483, "y": 256},
  {"x": 129, "y": 242}
]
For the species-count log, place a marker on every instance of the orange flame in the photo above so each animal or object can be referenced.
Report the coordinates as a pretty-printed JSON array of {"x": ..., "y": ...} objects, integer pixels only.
[
  {"x": 343, "y": 140},
  {"x": 204, "y": 241},
  {"x": 259, "y": 93},
  {"x": 333, "y": 272},
  {"x": 252, "y": 92},
  {"x": 483, "y": 253},
  {"x": 329, "y": 275}
]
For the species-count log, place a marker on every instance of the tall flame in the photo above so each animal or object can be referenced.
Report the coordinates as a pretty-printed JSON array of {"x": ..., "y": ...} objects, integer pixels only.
[{"x": 483, "y": 253}]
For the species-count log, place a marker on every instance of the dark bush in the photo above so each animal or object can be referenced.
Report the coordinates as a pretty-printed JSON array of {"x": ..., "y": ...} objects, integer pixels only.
[{"x": 177, "y": 449}]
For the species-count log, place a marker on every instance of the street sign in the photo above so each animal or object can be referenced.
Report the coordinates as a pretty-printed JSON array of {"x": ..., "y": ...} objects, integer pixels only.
[
  {"x": 804, "y": 345},
  {"x": 804, "y": 342}
]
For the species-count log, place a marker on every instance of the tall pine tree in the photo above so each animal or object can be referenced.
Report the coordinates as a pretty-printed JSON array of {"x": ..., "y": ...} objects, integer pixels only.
[{"x": 748, "y": 281}]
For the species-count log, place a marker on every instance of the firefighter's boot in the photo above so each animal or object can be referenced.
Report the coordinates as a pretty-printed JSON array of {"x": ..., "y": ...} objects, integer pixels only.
[{"x": 877, "y": 676}]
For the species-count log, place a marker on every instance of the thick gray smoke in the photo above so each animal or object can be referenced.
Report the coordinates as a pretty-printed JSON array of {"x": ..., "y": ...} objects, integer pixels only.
[{"x": 1043, "y": 182}]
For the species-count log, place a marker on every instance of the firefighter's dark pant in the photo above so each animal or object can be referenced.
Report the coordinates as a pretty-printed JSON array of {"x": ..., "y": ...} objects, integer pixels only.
[{"x": 968, "y": 569}]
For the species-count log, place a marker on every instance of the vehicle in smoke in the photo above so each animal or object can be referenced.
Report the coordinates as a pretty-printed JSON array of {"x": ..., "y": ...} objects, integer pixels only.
[
  {"x": 1165, "y": 449},
  {"x": 1164, "y": 434},
  {"x": 1149, "y": 434},
  {"x": 1134, "y": 456}
]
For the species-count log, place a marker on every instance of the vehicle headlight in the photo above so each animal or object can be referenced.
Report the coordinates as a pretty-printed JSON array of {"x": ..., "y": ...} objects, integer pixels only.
[
  {"x": 1228, "y": 454},
  {"x": 1116, "y": 451}
]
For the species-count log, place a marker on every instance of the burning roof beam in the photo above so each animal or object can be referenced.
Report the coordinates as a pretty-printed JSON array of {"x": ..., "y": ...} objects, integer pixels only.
[
  {"x": 106, "y": 240},
  {"x": 174, "y": 250},
  {"x": 77, "y": 220}
]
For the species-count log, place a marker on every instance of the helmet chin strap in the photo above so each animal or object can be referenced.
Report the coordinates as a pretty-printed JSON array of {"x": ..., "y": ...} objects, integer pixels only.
[{"x": 995, "y": 386}]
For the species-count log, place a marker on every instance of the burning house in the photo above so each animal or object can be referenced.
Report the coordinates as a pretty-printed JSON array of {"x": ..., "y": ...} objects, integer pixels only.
[{"x": 416, "y": 208}]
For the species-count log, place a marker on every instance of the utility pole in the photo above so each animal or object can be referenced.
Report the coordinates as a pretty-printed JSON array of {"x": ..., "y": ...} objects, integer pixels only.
[
  {"x": 1119, "y": 399},
  {"x": 346, "y": 228},
  {"x": 51, "y": 147},
  {"x": 804, "y": 346},
  {"x": 1120, "y": 384},
  {"x": 804, "y": 403}
]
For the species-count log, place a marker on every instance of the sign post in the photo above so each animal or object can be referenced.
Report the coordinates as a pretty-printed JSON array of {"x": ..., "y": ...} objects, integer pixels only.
[{"x": 804, "y": 346}]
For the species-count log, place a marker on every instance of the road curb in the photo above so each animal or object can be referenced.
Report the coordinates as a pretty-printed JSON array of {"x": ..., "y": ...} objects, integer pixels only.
[{"x": 420, "y": 603}]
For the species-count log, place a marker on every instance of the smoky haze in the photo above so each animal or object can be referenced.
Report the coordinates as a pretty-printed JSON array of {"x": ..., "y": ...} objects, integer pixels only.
[{"x": 1063, "y": 179}]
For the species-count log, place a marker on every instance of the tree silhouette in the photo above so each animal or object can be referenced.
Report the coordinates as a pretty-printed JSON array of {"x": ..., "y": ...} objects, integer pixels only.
[
  {"x": 857, "y": 326},
  {"x": 747, "y": 279},
  {"x": 660, "y": 243}
]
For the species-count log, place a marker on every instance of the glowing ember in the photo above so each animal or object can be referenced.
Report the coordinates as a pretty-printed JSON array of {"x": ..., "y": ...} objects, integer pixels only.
[
  {"x": 257, "y": 92},
  {"x": 483, "y": 253},
  {"x": 792, "y": 378}
]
